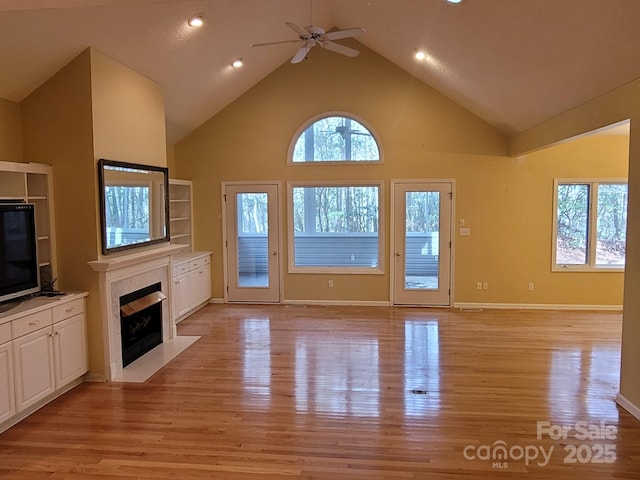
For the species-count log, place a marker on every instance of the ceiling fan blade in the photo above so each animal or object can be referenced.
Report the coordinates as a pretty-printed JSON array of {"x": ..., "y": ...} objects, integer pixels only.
[
  {"x": 336, "y": 47},
  {"x": 350, "y": 32},
  {"x": 301, "y": 54},
  {"x": 298, "y": 29},
  {"x": 275, "y": 43}
]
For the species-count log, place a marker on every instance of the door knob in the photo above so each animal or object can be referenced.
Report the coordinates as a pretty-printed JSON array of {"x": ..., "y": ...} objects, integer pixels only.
[
  {"x": 397, "y": 254},
  {"x": 274, "y": 253}
]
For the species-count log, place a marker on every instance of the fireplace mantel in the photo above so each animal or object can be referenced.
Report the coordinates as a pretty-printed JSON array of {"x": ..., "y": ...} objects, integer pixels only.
[{"x": 107, "y": 264}]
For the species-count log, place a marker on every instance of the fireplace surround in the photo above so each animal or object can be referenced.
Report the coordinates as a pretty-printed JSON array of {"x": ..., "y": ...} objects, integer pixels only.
[{"x": 122, "y": 275}]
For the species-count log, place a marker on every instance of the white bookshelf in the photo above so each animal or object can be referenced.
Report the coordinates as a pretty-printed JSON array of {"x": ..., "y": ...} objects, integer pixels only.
[{"x": 181, "y": 212}]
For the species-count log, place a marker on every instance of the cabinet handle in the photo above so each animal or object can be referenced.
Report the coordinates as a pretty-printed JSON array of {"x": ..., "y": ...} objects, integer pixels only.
[
  {"x": 33, "y": 324},
  {"x": 69, "y": 310}
]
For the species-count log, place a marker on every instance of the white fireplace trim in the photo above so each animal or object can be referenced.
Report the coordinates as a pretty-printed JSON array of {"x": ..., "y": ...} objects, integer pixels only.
[{"x": 125, "y": 274}]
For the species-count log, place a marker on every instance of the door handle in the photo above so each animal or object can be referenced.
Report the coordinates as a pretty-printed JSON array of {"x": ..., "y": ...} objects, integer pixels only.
[
  {"x": 274, "y": 253},
  {"x": 398, "y": 254}
]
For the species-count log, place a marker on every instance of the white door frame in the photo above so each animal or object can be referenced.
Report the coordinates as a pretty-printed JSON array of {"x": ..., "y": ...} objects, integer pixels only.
[
  {"x": 225, "y": 265},
  {"x": 392, "y": 249}
]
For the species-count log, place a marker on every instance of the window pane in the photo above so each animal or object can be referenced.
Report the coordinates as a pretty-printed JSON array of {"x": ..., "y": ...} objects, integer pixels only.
[
  {"x": 572, "y": 224},
  {"x": 336, "y": 139},
  {"x": 253, "y": 239},
  {"x": 336, "y": 226},
  {"x": 611, "y": 224},
  {"x": 422, "y": 240}
]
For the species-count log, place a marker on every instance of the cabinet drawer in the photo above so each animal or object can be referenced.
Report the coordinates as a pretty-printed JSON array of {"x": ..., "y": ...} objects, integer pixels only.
[
  {"x": 5, "y": 333},
  {"x": 69, "y": 309},
  {"x": 199, "y": 262},
  {"x": 30, "y": 323},
  {"x": 180, "y": 268}
]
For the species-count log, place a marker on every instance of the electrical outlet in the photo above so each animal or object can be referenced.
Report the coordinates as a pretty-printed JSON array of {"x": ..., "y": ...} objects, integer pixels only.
[
  {"x": 479, "y": 285},
  {"x": 330, "y": 283},
  {"x": 485, "y": 285},
  {"x": 531, "y": 286}
]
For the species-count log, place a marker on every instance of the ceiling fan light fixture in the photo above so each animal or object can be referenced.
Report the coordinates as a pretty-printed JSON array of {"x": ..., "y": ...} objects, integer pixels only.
[
  {"x": 453, "y": 2},
  {"x": 420, "y": 55},
  {"x": 197, "y": 20},
  {"x": 237, "y": 63}
]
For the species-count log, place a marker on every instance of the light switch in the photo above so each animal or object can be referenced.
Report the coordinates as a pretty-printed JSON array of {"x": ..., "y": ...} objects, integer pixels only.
[{"x": 464, "y": 231}]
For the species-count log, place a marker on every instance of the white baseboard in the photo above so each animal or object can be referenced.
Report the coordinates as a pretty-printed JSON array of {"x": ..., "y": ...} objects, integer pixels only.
[
  {"x": 354, "y": 303},
  {"x": 216, "y": 300},
  {"x": 628, "y": 406},
  {"x": 536, "y": 306}
]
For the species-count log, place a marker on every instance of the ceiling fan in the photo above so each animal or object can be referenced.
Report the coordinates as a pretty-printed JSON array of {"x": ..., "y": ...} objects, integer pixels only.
[{"x": 311, "y": 36}]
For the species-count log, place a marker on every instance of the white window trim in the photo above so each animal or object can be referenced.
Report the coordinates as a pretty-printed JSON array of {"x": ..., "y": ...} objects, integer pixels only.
[
  {"x": 591, "y": 266},
  {"x": 336, "y": 113},
  {"x": 292, "y": 268}
]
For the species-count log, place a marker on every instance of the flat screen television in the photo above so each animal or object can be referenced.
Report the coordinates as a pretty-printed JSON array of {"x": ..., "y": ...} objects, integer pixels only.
[{"x": 19, "y": 269}]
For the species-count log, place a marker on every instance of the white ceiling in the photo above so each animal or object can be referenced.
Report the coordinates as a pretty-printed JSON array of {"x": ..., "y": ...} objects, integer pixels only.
[{"x": 514, "y": 63}]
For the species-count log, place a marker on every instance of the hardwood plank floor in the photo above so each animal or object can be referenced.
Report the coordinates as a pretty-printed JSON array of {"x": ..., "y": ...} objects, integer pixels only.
[{"x": 350, "y": 393}]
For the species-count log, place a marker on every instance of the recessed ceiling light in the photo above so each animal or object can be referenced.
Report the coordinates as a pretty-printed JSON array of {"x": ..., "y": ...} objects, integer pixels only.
[
  {"x": 237, "y": 63},
  {"x": 197, "y": 20},
  {"x": 420, "y": 55},
  {"x": 455, "y": 2}
]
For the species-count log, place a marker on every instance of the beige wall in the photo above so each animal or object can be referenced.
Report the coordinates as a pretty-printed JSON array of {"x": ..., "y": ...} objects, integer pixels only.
[
  {"x": 507, "y": 202},
  {"x": 128, "y": 113},
  {"x": 94, "y": 107},
  {"x": 10, "y": 133},
  {"x": 57, "y": 130},
  {"x": 620, "y": 104}
]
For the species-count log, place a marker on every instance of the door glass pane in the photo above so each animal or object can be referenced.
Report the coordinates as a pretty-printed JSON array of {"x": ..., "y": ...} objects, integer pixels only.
[
  {"x": 611, "y": 224},
  {"x": 572, "y": 226},
  {"x": 252, "y": 241},
  {"x": 422, "y": 240}
]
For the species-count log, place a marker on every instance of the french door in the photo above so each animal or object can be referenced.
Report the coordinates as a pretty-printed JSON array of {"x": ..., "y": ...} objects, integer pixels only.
[
  {"x": 421, "y": 262},
  {"x": 252, "y": 226}
]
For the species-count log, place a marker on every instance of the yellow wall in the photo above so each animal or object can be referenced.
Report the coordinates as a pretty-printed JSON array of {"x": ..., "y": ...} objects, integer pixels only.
[
  {"x": 10, "y": 134},
  {"x": 128, "y": 114},
  {"x": 57, "y": 130},
  {"x": 506, "y": 202},
  {"x": 94, "y": 107},
  {"x": 619, "y": 104}
]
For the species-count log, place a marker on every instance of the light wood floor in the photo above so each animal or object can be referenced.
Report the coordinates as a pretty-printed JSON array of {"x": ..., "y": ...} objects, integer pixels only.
[{"x": 275, "y": 392}]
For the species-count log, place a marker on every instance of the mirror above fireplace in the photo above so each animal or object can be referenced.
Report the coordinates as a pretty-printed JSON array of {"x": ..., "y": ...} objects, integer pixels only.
[{"x": 134, "y": 207}]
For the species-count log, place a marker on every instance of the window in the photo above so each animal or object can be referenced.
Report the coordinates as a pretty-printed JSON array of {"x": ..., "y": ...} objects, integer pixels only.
[
  {"x": 590, "y": 225},
  {"x": 335, "y": 228},
  {"x": 335, "y": 138}
]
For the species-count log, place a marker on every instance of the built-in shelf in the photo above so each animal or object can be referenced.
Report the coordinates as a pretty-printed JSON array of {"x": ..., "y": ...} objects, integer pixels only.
[
  {"x": 181, "y": 212},
  {"x": 31, "y": 183}
]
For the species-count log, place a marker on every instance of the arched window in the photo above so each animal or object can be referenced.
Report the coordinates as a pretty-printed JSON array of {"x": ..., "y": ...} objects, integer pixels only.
[{"x": 335, "y": 138}]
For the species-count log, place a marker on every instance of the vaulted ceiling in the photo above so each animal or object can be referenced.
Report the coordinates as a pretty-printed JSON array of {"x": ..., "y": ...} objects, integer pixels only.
[{"x": 514, "y": 63}]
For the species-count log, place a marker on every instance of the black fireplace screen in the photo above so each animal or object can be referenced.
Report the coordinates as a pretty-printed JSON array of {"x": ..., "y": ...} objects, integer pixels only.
[{"x": 140, "y": 322}]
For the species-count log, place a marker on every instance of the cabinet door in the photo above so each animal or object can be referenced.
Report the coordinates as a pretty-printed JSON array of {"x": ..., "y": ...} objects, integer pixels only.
[
  {"x": 33, "y": 364},
  {"x": 70, "y": 349},
  {"x": 199, "y": 286},
  {"x": 7, "y": 400},
  {"x": 180, "y": 295}
]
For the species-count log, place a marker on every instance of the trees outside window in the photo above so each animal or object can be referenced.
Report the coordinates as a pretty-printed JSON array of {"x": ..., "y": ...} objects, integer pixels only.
[
  {"x": 590, "y": 224},
  {"x": 335, "y": 226},
  {"x": 335, "y": 138}
]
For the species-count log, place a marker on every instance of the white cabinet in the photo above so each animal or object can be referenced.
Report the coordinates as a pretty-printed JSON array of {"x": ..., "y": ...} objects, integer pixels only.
[
  {"x": 69, "y": 349},
  {"x": 180, "y": 294},
  {"x": 33, "y": 367},
  {"x": 43, "y": 349},
  {"x": 7, "y": 400},
  {"x": 191, "y": 283}
]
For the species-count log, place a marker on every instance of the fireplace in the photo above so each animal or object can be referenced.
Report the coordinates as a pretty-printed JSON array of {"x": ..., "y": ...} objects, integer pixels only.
[{"x": 141, "y": 322}]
